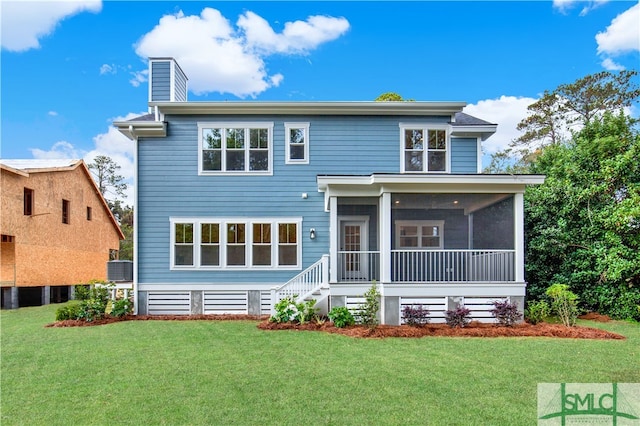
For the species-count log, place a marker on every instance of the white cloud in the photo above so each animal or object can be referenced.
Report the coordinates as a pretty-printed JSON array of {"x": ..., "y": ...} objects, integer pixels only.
[
  {"x": 610, "y": 65},
  {"x": 220, "y": 58},
  {"x": 24, "y": 23},
  {"x": 138, "y": 77},
  {"x": 113, "y": 144},
  {"x": 108, "y": 69},
  {"x": 563, "y": 6},
  {"x": 507, "y": 112},
  {"x": 622, "y": 35},
  {"x": 297, "y": 37},
  {"x": 52, "y": 113}
]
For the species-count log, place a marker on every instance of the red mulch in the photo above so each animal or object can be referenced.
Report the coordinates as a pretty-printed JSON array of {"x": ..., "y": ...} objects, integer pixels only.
[
  {"x": 594, "y": 316},
  {"x": 475, "y": 329}
]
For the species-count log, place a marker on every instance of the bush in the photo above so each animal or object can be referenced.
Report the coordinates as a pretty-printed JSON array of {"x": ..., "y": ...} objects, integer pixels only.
[
  {"x": 368, "y": 313},
  {"x": 537, "y": 311},
  {"x": 82, "y": 292},
  {"x": 341, "y": 316},
  {"x": 506, "y": 313},
  {"x": 415, "y": 315},
  {"x": 458, "y": 317},
  {"x": 288, "y": 310},
  {"x": 68, "y": 312},
  {"x": 121, "y": 307},
  {"x": 91, "y": 310},
  {"x": 564, "y": 303}
]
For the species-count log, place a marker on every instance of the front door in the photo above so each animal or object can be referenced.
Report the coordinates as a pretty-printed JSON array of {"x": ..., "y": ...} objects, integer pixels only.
[{"x": 354, "y": 256}]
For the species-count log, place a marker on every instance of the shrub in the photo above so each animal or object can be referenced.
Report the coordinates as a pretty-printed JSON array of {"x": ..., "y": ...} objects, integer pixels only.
[
  {"x": 82, "y": 292},
  {"x": 68, "y": 312},
  {"x": 286, "y": 310},
  {"x": 415, "y": 315},
  {"x": 368, "y": 312},
  {"x": 121, "y": 307},
  {"x": 341, "y": 316},
  {"x": 458, "y": 317},
  {"x": 537, "y": 311},
  {"x": 564, "y": 303},
  {"x": 91, "y": 310},
  {"x": 506, "y": 313}
]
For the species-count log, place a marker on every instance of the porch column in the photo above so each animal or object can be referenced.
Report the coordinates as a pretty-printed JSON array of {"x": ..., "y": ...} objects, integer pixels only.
[
  {"x": 333, "y": 240},
  {"x": 518, "y": 213},
  {"x": 385, "y": 237}
]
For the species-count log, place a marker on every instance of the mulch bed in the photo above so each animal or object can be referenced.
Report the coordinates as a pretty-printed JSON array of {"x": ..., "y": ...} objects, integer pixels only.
[{"x": 475, "y": 329}]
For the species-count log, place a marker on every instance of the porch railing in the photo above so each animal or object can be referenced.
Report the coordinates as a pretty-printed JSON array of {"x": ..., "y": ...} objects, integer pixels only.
[
  {"x": 452, "y": 265},
  {"x": 429, "y": 266},
  {"x": 358, "y": 265}
]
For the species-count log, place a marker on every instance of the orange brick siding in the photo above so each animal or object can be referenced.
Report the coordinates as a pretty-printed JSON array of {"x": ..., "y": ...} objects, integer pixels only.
[{"x": 47, "y": 251}]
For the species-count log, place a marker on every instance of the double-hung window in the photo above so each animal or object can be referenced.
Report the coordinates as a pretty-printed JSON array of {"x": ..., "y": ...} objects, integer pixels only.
[
  {"x": 297, "y": 143},
  {"x": 240, "y": 148},
  {"x": 419, "y": 234},
  {"x": 228, "y": 243},
  {"x": 424, "y": 148}
]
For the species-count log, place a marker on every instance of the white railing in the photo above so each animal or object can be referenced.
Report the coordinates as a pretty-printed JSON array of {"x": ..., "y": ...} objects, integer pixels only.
[
  {"x": 304, "y": 284},
  {"x": 358, "y": 265},
  {"x": 452, "y": 265}
]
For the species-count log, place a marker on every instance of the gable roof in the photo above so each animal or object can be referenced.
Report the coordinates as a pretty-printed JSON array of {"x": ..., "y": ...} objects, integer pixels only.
[{"x": 28, "y": 166}]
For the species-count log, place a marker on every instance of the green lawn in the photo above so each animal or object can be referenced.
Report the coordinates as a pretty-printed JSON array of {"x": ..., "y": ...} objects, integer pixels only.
[{"x": 222, "y": 373}]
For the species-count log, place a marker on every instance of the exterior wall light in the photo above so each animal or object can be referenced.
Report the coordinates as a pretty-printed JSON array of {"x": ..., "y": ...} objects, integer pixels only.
[
  {"x": 304, "y": 195},
  {"x": 312, "y": 233}
]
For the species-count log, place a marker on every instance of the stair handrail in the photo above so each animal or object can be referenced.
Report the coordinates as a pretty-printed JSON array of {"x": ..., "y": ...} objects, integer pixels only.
[{"x": 304, "y": 284}]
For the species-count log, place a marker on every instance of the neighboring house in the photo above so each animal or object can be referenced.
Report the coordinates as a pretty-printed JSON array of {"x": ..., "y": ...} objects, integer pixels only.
[
  {"x": 239, "y": 204},
  {"x": 57, "y": 231}
]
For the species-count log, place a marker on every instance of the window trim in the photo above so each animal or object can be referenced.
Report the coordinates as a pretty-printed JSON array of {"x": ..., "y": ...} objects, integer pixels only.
[
  {"x": 287, "y": 139},
  {"x": 425, "y": 127},
  {"x": 223, "y": 222},
  {"x": 246, "y": 125},
  {"x": 419, "y": 224}
]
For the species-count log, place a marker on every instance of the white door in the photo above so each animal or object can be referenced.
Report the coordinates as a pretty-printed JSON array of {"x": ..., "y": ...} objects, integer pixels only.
[{"x": 354, "y": 254}]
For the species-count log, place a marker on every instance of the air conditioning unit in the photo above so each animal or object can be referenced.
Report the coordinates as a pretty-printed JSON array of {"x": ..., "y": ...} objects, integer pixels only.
[{"x": 120, "y": 270}]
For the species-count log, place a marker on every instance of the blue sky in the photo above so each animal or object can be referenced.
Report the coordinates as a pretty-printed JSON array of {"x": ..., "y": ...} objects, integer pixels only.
[{"x": 68, "y": 69}]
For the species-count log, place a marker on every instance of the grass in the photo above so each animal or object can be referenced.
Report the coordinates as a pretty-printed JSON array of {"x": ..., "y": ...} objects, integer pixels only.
[{"x": 223, "y": 373}]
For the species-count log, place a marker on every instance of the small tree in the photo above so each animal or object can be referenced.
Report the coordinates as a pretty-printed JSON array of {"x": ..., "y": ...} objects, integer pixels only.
[
  {"x": 368, "y": 314},
  {"x": 564, "y": 303}
]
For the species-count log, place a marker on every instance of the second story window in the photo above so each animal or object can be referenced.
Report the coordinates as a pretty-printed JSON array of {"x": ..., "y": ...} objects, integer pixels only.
[
  {"x": 28, "y": 202},
  {"x": 65, "y": 211},
  {"x": 297, "y": 143},
  {"x": 424, "y": 149},
  {"x": 241, "y": 148}
]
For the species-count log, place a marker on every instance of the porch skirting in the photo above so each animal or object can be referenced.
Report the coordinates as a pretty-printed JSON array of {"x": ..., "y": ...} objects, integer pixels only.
[{"x": 437, "y": 297}]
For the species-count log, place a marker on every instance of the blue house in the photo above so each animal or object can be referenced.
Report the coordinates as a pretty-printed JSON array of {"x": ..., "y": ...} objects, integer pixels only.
[{"x": 239, "y": 204}]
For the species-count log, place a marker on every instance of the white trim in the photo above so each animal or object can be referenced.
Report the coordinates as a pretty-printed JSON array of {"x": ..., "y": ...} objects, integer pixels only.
[
  {"x": 333, "y": 243},
  {"x": 426, "y": 127},
  {"x": 479, "y": 155},
  {"x": 518, "y": 218},
  {"x": 384, "y": 232},
  {"x": 135, "y": 226},
  {"x": 223, "y": 222},
  {"x": 246, "y": 125},
  {"x": 287, "y": 141},
  {"x": 419, "y": 224}
]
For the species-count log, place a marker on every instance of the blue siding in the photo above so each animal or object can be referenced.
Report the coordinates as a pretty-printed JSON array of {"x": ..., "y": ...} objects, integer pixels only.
[
  {"x": 169, "y": 185},
  {"x": 161, "y": 81},
  {"x": 180, "y": 91},
  {"x": 464, "y": 152}
]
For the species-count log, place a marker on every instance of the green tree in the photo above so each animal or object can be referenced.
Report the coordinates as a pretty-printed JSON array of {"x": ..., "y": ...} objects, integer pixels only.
[
  {"x": 111, "y": 185},
  {"x": 105, "y": 172},
  {"x": 557, "y": 114},
  {"x": 391, "y": 97},
  {"x": 583, "y": 224}
]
